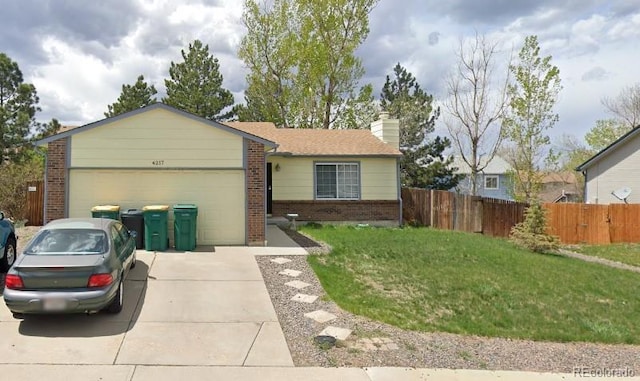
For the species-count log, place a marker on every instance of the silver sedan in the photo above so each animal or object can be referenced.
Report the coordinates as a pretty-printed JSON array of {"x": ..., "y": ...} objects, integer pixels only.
[{"x": 72, "y": 265}]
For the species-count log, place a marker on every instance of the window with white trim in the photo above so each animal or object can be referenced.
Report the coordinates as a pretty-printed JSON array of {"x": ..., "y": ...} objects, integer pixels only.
[
  {"x": 491, "y": 182},
  {"x": 337, "y": 181}
]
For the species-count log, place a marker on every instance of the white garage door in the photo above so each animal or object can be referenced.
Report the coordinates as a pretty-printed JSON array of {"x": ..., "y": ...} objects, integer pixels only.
[{"x": 219, "y": 195}]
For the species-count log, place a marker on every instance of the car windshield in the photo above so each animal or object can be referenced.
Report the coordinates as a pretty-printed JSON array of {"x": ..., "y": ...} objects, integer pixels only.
[{"x": 68, "y": 241}]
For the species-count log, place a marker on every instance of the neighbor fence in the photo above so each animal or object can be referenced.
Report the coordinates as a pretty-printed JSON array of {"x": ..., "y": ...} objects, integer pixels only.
[
  {"x": 34, "y": 212},
  {"x": 573, "y": 223},
  {"x": 594, "y": 224},
  {"x": 451, "y": 211}
]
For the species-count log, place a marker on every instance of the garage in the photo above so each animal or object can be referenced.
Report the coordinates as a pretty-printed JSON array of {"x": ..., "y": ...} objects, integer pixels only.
[
  {"x": 161, "y": 155},
  {"x": 219, "y": 196}
]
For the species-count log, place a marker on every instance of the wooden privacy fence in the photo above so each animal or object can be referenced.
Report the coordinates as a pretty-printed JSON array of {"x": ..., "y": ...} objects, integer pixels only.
[
  {"x": 594, "y": 224},
  {"x": 572, "y": 223},
  {"x": 35, "y": 203},
  {"x": 451, "y": 211}
]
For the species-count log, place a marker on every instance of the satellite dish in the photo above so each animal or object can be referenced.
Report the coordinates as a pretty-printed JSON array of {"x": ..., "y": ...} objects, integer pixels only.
[{"x": 622, "y": 193}]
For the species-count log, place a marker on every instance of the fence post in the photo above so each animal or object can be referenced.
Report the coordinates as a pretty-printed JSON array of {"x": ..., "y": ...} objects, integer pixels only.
[{"x": 431, "y": 209}]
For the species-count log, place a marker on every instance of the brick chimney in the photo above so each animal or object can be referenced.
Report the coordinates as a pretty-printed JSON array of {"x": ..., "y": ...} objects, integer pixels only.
[{"x": 387, "y": 130}]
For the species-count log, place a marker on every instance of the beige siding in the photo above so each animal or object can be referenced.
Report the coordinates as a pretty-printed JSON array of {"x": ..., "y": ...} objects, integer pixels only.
[
  {"x": 620, "y": 168},
  {"x": 295, "y": 179},
  {"x": 219, "y": 195},
  {"x": 379, "y": 178},
  {"x": 156, "y": 139}
]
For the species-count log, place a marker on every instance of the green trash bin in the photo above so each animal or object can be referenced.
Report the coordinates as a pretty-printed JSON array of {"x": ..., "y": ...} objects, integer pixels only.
[
  {"x": 106, "y": 211},
  {"x": 184, "y": 226},
  {"x": 155, "y": 227}
]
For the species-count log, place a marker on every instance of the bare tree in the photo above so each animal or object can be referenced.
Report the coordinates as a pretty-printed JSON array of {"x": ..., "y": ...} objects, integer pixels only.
[
  {"x": 477, "y": 99},
  {"x": 625, "y": 106}
]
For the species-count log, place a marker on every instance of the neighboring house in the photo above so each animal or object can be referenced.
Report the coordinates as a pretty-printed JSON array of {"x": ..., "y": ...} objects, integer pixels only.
[
  {"x": 612, "y": 169},
  {"x": 161, "y": 155},
  {"x": 560, "y": 187},
  {"x": 493, "y": 181}
]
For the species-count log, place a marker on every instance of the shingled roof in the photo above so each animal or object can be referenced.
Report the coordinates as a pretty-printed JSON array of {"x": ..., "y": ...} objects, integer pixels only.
[{"x": 318, "y": 142}]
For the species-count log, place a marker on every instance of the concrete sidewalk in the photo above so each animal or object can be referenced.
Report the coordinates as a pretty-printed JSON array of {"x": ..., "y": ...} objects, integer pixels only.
[{"x": 37, "y": 372}]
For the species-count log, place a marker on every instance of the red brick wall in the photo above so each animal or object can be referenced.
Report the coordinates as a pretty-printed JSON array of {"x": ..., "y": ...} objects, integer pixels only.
[
  {"x": 343, "y": 210},
  {"x": 56, "y": 180},
  {"x": 256, "y": 193}
]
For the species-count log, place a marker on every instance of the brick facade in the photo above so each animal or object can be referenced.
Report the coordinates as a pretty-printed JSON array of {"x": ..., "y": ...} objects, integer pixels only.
[
  {"x": 56, "y": 180},
  {"x": 256, "y": 212},
  {"x": 343, "y": 210}
]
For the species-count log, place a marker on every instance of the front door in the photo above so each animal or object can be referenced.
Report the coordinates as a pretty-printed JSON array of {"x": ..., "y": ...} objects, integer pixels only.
[{"x": 269, "y": 189}]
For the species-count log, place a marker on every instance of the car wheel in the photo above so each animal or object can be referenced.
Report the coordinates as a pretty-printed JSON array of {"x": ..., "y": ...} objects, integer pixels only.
[
  {"x": 17, "y": 315},
  {"x": 116, "y": 305},
  {"x": 133, "y": 261},
  {"x": 9, "y": 254}
]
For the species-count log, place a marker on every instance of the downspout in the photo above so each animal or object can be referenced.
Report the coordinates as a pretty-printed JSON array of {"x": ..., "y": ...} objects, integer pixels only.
[
  {"x": 584, "y": 187},
  {"x": 67, "y": 173},
  {"x": 46, "y": 193},
  {"x": 264, "y": 165},
  {"x": 399, "y": 190}
]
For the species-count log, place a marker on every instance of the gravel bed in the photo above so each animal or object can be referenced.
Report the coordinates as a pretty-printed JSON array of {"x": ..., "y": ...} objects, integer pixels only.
[
  {"x": 415, "y": 349},
  {"x": 25, "y": 234}
]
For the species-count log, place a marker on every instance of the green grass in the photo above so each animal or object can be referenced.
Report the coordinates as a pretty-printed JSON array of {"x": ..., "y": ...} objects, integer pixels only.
[
  {"x": 431, "y": 280},
  {"x": 628, "y": 253}
]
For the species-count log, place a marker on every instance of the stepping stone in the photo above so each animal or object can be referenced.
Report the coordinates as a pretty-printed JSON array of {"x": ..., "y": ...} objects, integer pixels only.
[
  {"x": 297, "y": 284},
  {"x": 303, "y": 298},
  {"x": 289, "y": 272},
  {"x": 337, "y": 332},
  {"x": 320, "y": 316},
  {"x": 391, "y": 346},
  {"x": 281, "y": 261},
  {"x": 376, "y": 344}
]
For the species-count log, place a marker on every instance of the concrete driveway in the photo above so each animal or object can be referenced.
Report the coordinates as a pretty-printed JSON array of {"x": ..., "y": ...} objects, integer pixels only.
[{"x": 198, "y": 309}]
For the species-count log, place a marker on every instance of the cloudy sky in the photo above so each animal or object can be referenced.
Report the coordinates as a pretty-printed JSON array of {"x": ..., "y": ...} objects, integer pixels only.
[{"x": 79, "y": 53}]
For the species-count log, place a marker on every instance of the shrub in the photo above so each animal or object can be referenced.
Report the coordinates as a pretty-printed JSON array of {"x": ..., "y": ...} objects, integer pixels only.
[
  {"x": 531, "y": 234},
  {"x": 13, "y": 183}
]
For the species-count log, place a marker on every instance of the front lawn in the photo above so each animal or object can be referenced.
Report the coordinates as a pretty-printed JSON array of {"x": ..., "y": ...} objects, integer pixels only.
[
  {"x": 433, "y": 280},
  {"x": 628, "y": 253}
]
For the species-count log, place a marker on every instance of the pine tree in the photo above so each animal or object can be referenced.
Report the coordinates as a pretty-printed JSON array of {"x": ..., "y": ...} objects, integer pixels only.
[
  {"x": 133, "y": 97},
  {"x": 18, "y": 107},
  {"x": 423, "y": 163},
  {"x": 196, "y": 84}
]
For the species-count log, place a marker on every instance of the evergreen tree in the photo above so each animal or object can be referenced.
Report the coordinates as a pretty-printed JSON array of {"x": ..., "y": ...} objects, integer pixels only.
[
  {"x": 18, "y": 107},
  {"x": 133, "y": 97},
  {"x": 196, "y": 84},
  {"x": 423, "y": 163}
]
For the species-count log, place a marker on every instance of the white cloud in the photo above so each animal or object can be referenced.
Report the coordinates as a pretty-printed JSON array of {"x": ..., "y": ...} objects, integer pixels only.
[{"x": 79, "y": 67}]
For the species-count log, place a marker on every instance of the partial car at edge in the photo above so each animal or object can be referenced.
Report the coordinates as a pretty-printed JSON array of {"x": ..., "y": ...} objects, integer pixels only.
[
  {"x": 73, "y": 265},
  {"x": 8, "y": 241}
]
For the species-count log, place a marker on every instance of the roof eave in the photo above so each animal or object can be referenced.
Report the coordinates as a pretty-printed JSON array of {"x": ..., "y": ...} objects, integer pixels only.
[
  {"x": 154, "y": 106},
  {"x": 293, "y": 154},
  {"x": 593, "y": 159}
]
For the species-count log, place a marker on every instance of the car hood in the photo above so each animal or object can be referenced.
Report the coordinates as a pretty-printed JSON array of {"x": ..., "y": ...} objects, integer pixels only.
[{"x": 84, "y": 260}]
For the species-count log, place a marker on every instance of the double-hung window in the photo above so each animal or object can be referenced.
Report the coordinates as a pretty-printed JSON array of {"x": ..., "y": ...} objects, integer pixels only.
[
  {"x": 337, "y": 181},
  {"x": 491, "y": 182}
]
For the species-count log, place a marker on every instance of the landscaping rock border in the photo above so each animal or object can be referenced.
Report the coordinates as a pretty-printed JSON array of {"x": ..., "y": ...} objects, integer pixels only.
[{"x": 373, "y": 343}]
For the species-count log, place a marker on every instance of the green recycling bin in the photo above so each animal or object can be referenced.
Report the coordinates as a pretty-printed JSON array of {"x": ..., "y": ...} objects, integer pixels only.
[
  {"x": 106, "y": 211},
  {"x": 155, "y": 227},
  {"x": 184, "y": 226}
]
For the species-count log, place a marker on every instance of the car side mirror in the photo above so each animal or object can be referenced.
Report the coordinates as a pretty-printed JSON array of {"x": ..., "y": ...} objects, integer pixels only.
[
  {"x": 1, "y": 216},
  {"x": 133, "y": 233}
]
